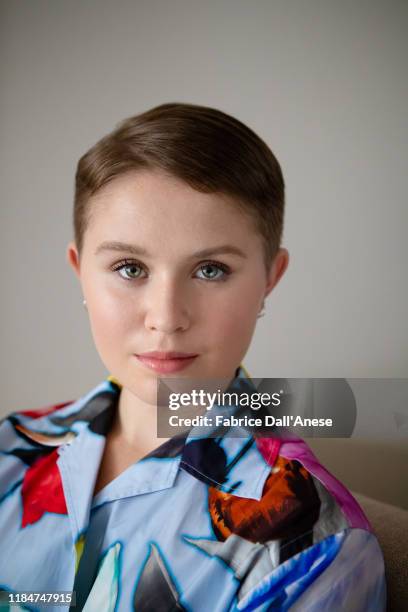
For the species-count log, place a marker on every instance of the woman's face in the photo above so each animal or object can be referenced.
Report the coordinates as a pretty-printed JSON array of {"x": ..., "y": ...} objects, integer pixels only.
[{"x": 162, "y": 292}]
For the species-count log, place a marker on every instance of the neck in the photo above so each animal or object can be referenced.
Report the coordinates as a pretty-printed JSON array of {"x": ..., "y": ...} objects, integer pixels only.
[{"x": 135, "y": 422}]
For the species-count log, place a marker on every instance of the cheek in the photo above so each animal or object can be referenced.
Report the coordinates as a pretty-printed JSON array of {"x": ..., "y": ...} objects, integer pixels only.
[
  {"x": 233, "y": 322},
  {"x": 109, "y": 320}
]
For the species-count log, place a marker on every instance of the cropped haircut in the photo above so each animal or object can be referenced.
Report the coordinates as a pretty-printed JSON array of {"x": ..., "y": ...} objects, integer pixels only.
[{"x": 206, "y": 148}]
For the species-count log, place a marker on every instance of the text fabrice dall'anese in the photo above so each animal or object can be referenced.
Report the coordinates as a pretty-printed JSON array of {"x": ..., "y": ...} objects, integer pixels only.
[
  {"x": 208, "y": 400},
  {"x": 232, "y": 421}
]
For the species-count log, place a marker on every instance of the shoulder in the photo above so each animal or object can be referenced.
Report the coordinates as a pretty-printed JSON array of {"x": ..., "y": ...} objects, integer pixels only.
[
  {"x": 312, "y": 531},
  {"x": 316, "y": 533}
]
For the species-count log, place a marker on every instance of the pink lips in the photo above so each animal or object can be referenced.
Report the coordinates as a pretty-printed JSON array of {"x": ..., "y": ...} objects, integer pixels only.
[{"x": 166, "y": 362}]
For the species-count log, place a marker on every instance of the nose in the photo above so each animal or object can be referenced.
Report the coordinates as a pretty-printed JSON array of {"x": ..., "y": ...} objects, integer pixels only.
[{"x": 166, "y": 308}]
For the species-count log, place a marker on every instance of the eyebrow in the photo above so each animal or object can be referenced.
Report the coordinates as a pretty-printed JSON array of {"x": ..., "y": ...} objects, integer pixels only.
[{"x": 136, "y": 250}]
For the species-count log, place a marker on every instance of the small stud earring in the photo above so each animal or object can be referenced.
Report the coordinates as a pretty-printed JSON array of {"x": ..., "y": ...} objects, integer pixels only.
[{"x": 84, "y": 303}]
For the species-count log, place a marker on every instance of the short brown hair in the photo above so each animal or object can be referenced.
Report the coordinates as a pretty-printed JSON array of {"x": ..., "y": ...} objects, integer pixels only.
[{"x": 206, "y": 148}]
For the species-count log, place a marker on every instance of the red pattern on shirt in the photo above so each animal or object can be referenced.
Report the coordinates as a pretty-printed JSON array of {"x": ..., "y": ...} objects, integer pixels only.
[{"x": 42, "y": 489}]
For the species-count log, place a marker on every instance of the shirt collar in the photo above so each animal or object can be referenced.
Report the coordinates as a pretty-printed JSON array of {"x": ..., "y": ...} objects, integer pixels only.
[{"x": 230, "y": 462}]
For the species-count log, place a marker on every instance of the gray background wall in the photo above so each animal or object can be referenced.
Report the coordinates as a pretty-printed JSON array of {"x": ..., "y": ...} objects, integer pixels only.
[{"x": 323, "y": 82}]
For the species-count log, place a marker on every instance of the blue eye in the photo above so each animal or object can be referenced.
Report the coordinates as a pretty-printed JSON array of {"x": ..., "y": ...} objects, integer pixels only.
[
  {"x": 214, "y": 271},
  {"x": 134, "y": 268}
]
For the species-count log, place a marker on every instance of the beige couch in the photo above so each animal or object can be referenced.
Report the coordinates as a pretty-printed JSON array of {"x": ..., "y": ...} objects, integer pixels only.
[{"x": 391, "y": 528}]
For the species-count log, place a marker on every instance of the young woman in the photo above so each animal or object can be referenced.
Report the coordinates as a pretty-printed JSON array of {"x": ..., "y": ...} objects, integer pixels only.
[{"x": 178, "y": 220}]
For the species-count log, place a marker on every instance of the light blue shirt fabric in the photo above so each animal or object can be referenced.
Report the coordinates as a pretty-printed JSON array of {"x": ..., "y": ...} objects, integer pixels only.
[{"x": 199, "y": 524}]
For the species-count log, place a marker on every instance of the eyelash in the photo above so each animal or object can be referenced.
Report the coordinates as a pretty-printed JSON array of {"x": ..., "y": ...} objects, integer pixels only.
[{"x": 129, "y": 262}]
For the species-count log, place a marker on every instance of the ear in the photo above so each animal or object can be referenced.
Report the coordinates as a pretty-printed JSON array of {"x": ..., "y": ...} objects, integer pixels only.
[
  {"x": 73, "y": 258},
  {"x": 277, "y": 269}
]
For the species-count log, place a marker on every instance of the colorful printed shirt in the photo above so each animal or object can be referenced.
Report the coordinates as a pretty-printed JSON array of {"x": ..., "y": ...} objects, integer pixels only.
[{"x": 199, "y": 524}]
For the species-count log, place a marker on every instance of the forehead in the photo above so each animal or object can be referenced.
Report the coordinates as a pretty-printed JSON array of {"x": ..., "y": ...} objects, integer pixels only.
[{"x": 154, "y": 205}]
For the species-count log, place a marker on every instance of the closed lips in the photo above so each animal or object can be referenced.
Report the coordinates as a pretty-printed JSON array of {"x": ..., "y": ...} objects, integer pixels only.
[{"x": 161, "y": 355}]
